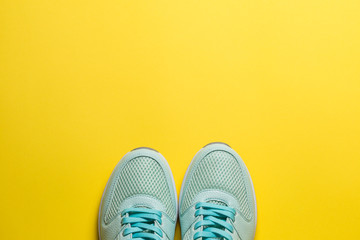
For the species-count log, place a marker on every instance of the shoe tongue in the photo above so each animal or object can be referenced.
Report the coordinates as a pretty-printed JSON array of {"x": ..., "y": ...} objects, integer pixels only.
[
  {"x": 217, "y": 202},
  {"x": 141, "y": 206}
]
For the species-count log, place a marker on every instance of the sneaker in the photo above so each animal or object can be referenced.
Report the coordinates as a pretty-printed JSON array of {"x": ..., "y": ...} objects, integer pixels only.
[
  {"x": 217, "y": 199},
  {"x": 139, "y": 200}
]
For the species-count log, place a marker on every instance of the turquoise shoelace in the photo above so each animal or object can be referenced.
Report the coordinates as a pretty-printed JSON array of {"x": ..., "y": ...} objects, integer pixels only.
[
  {"x": 142, "y": 223},
  {"x": 214, "y": 221}
]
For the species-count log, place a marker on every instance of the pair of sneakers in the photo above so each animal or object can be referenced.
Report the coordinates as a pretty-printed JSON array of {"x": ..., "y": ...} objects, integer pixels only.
[{"x": 217, "y": 199}]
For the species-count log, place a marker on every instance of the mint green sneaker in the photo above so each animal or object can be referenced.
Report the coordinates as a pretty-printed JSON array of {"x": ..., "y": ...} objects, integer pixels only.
[
  {"x": 139, "y": 201},
  {"x": 217, "y": 199}
]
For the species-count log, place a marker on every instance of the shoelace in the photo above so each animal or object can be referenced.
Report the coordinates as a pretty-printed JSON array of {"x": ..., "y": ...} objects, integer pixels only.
[
  {"x": 142, "y": 223},
  {"x": 214, "y": 221}
]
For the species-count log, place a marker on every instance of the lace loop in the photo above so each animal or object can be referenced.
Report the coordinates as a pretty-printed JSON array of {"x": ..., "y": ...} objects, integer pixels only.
[
  {"x": 214, "y": 221},
  {"x": 142, "y": 223}
]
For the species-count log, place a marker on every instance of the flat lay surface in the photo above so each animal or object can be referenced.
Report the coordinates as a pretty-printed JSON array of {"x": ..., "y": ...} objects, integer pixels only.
[{"x": 84, "y": 82}]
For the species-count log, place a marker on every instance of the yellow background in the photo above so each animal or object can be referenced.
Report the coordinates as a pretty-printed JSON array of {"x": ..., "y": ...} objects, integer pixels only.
[{"x": 83, "y": 82}]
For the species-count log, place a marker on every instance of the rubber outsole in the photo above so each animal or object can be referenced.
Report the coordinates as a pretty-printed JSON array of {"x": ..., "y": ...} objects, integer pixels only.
[
  {"x": 144, "y": 148},
  {"x": 212, "y": 143}
]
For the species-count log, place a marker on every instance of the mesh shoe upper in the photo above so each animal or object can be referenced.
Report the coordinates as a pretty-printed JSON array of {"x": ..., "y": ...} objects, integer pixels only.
[
  {"x": 141, "y": 175},
  {"x": 218, "y": 170}
]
